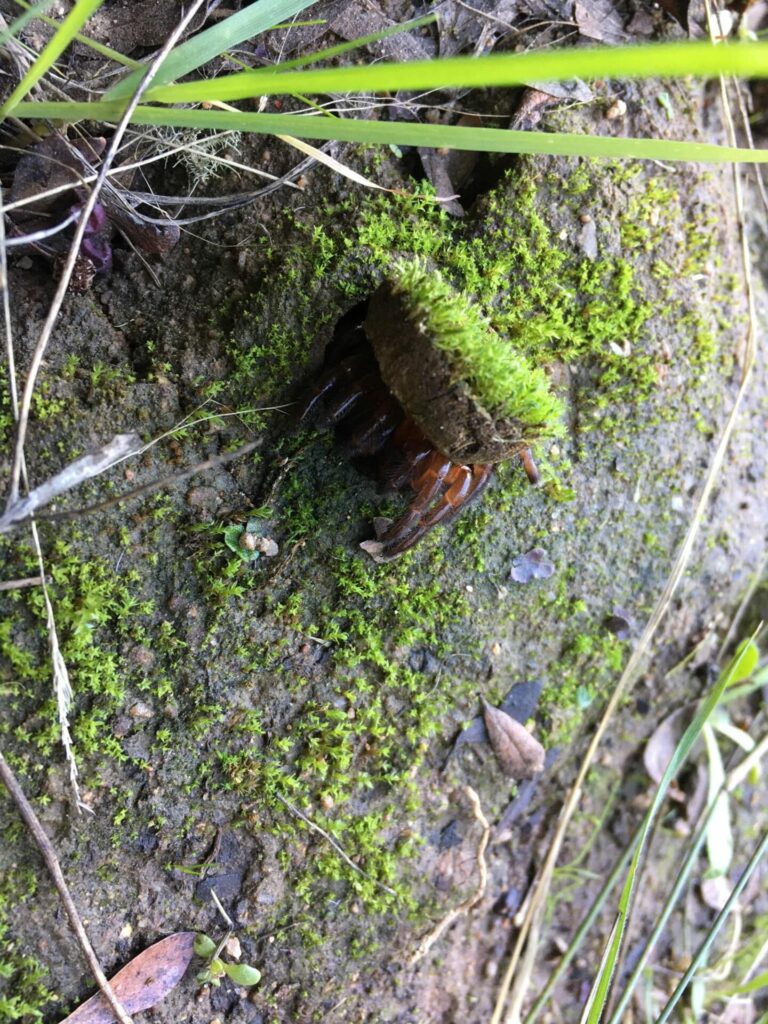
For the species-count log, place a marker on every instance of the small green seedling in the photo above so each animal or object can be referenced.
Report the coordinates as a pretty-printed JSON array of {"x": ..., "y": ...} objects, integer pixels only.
[
  {"x": 216, "y": 968},
  {"x": 248, "y": 542}
]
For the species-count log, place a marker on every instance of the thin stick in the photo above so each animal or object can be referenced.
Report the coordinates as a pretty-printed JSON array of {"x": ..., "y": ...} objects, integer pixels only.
[
  {"x": 334, "y": 844},
  {"x": 51, "y": 862},
  {"x": 471, "y": 901},
  {"x": 29, "y": 581},
  {"x": 69, "y": 266},
  {"x": 153, "y": 485}
]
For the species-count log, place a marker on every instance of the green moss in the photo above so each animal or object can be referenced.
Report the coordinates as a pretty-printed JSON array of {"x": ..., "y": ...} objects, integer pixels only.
[
  {"x": 351, "y": 742},
  {"x": 24, "y": 992},
  {"x": 501, "y": 379}
]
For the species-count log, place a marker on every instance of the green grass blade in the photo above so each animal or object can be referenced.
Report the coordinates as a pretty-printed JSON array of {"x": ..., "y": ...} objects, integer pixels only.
[
  {"x": 593, "y": 1011},
  {"x": 489, "y": 140},
  {"x": 749, "y": 60},
  {"x": 51, "y": 52},
  {"x": 702, "y": 952},
  {"x": 16, "y": 26},
  {"x": 251, "y": 21},
  {"x": 682, "y": 878}
]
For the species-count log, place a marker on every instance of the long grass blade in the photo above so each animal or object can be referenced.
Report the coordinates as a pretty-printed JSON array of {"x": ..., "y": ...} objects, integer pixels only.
[
  {"x": 354, "y": 44},
  {"x": 250, "y": 22},
  {"x": 598, "y": 996},
  {"x": 67, "y": 31},
  {"x": 701, "y": 59},
  {"x": 702, "y": 952},
  {"x": 490, "y": 140}
]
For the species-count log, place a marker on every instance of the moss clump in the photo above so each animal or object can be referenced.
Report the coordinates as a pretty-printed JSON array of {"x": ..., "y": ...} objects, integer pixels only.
[{"x": 500, "y": 378}]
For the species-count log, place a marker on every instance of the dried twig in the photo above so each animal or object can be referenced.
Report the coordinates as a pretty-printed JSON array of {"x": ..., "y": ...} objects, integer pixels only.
[
  {"x": 334, "y": 844},
  {"x": 471, "y": 901},
  {"x": 52, "y": 863},
  {"x": 29, "y": 581},
  {"x": 153, "y": 485},
  {"x": 85, "y": 468}
]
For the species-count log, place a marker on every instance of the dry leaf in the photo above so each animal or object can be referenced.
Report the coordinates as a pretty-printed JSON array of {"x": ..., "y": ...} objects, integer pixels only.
[
  {"x": 143, "y": 982},
  {"x": 663, "y": 742},
  {"x": 519, "y": 754}
]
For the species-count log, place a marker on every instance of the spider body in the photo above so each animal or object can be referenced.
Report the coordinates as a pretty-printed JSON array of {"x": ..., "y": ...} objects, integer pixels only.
[{"x": 386, "y": 441}]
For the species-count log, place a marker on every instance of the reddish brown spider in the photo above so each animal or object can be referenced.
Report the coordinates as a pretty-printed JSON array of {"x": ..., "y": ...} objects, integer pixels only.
[{"x": 379, "y": 435}]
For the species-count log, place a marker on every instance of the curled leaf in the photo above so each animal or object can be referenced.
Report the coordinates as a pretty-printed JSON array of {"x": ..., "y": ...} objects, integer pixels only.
[
  {"x": 518, "y": 753},
  {"x": 143, "y": 982}
]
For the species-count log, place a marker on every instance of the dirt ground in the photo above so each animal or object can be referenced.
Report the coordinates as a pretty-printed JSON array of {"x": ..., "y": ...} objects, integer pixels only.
[{"x": 226, "y": 710}]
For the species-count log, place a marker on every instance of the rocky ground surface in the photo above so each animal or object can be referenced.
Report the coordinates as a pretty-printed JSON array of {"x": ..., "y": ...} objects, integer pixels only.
[{"x": 221, "y": 705}]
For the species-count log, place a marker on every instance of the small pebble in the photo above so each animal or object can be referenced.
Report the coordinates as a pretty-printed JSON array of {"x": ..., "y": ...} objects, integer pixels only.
[
  {"x": 140, "y": 710},
  {"x": 616, "y": 110}
]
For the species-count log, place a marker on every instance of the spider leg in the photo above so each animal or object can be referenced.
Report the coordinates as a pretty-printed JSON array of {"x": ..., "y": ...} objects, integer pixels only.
[
  {"x": 426, "y": 485},
  {"x": 461, "y": 484},
  {"x": 369, "y": 432},
  {"x": 530, "y": 467},
  {"x": 408, "y": 450},
  {"x": 354, "y": 368}
]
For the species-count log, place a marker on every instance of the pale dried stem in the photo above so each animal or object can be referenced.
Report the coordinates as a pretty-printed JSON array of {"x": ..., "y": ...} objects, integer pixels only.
[
  {"x": 69, "y": 265},
  {"x": 329, "y": 839}
]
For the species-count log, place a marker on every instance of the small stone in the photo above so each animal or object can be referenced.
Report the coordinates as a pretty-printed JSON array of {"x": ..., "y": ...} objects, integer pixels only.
[
  {"x": 248, "y": 541},
  {"x": 266, "y": 546},
  {"x": 326, "y": 801},
  {"x": 233, "y": 948},
  {"x": 616, "y": 110},
  {"x": 126, "y": 931},
  {"x": 140, "y": 710}
]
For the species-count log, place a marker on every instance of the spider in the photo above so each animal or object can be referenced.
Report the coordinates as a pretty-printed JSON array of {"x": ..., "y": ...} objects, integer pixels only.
[{"x": 385, "y": 439}]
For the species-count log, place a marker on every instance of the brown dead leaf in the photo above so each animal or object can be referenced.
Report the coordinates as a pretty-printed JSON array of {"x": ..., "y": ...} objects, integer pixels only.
[
  {"x": 143, "y": 982},
  {"x": 661, "y": 746},
  {"x": 519, "y": 754},
  {"x": 600, "y": 19}
]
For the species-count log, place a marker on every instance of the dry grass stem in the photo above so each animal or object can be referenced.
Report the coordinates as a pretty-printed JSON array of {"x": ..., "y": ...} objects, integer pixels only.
[
  {"x": 69, "y": 265},
  {"x": 329, "y": 839},
  {"x": 528, "y": 931},
  {"x": 29, "y": 581},
  {"x": 86, "y": 467}
]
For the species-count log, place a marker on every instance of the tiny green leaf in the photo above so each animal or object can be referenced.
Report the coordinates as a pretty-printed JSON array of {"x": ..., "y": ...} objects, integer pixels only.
[
  {"x": 243, "y": 974},
  {"x": 217, "y": 968},
  {"x": 750, "y": 656},
  {"x": 204, "y": 945}
]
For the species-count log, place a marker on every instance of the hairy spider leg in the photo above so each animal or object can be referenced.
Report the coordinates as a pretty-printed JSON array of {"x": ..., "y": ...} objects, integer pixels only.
[
  {"x": 530, "y": 467},
  {"x": 408, "y": 450},
  {"x": 343, "y": 400},
  {"x": 426, "y": 485},
  {"x": 369, "y": 432},
  {"x": 349, "y": 370},
  {"x": 464, "y": 483}
]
